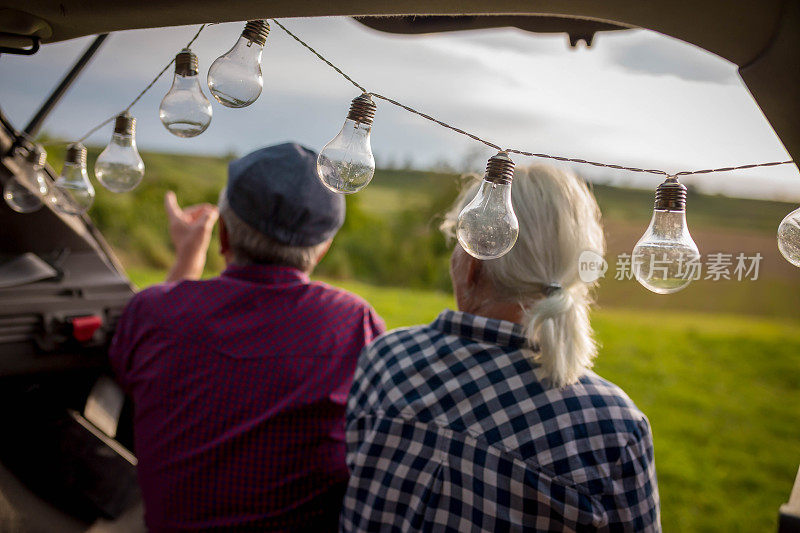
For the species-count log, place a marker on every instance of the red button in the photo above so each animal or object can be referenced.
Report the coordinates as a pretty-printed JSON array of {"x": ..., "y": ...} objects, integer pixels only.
[{"x": 83, "y": 327}]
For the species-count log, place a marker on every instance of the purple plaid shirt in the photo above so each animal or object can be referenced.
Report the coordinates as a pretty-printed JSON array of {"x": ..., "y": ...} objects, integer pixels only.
[{"x": 239, "y": 386}]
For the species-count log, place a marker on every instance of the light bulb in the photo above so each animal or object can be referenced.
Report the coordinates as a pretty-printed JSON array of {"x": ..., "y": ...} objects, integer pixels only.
[
  {"x": 119, "y": 167},
  {"x": 663, "y": 256},
  {"x": 346, "y": 164},
  {"x": 20, "y": 198},
  {"x": 789, "y": 237},
  {"x": 74, "y": 191},
  {"x": 234, "y": 79},
  {"x": 185, "y": 111},
  {"x": 26, "y": 192},
  {"x": 487, "y": 227}
]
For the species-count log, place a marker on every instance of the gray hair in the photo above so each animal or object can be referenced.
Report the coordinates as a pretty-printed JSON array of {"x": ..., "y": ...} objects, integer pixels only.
[
  {"x": 251, "y": 247},
  {"x": 558, "y": 220}
]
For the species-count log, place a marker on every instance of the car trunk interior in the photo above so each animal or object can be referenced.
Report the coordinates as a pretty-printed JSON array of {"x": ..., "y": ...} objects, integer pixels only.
[
  {"x": 61, "y": 293},
  {"x": 62, "y": 289}
]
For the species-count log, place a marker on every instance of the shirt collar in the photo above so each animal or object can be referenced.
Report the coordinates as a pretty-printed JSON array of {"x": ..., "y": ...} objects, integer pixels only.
[
  {"x": 481, "y": 329},
  {"x": 269, "y": 274}
]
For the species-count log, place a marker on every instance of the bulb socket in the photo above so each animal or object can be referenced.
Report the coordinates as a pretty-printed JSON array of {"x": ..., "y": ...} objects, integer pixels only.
[
  {"x": 76, "y": 154},
  {"x": 499, "y": 169},
  {"x": 671, "y": 195},
  {"x": 36, "y": 156},
  {"x": 186, "y": 63},
  {"x": 125, "y": 124},
  {"x": 362, "y": 109},
  {"x": 256, "y": 31}
]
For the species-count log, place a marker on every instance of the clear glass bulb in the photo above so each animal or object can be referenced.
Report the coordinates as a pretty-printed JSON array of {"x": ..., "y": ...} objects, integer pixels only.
[
  {"x": 20, "y": 198},
  {"x": 119, "y": 168},
  {"x": 185, "y": 111},
  {"x": 488, "y": 227},
  {"x": 73, "y": 190},
  {"x": 234, "y": 79},
  {"x": 26, "y": 192},
  {"x": 789, "y": 237},
  {"x": 662, "y": 257},
  {"x": 346, "y": 164}
]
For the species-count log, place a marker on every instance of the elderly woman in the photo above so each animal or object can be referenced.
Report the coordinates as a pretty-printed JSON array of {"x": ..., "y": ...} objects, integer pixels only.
[{"x": 490, "y": 419}]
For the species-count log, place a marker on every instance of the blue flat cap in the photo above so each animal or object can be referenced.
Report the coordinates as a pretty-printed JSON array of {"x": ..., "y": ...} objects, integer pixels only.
[{"x": 276, "y": 191}]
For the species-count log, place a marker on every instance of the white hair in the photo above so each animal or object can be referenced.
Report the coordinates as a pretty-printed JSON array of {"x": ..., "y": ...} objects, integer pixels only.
[
  {"x": 558, "y": 220},
  {"x": 249, "y": 246}
]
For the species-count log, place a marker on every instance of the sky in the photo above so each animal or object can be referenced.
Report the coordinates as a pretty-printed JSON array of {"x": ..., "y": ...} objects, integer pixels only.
[{"x": 635, "y": 98}]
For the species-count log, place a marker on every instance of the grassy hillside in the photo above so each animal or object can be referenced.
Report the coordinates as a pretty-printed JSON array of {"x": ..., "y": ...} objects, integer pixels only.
[
  {"x": 704, "y": 211},
  {"x": 390, "y": 236}
]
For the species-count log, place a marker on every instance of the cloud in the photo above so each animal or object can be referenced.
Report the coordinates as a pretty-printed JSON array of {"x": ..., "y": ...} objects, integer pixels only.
[
  {"x": 649, "y": 53},
  {"x": 636, "y": 97}
]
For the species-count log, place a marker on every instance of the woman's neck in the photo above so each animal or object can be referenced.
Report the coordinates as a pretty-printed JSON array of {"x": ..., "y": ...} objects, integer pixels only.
[{"x": 500, "y": 310}]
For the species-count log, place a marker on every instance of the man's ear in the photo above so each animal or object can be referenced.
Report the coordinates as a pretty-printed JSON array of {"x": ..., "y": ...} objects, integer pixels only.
[
  {"x": 324, "y": 251},
  {"x": 320, "y": 255},
  {"x": 224, "y": 246}
]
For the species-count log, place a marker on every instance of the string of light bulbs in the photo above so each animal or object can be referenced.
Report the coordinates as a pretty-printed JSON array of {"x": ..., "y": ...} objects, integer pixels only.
[
  {"x": 512, "y": 150},
  {"x": 119, "y": 167},
  {"x": 487, "y": 227}
]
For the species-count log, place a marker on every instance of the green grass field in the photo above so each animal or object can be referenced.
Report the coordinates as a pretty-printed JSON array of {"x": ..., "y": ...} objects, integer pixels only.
[{"x": 721, "y": 392}]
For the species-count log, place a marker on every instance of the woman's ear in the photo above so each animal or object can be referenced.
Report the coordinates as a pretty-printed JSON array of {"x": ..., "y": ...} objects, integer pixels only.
[
  {"x": 465, "y": 270},
  {"x": 474, "y": 268}
]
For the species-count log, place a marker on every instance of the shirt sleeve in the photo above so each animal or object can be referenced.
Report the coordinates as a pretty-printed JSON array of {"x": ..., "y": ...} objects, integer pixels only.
[
  {"x": 121, "y": 349},
  {"x": 362, "y": 390},
  {"x": 374, "y": 326},
  {"x": 132, "y": 328},
  {"x": 638, "y": 502}
]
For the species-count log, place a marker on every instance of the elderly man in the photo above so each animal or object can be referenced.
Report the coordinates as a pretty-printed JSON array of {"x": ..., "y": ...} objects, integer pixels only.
[{"x": 239, "y": 382}]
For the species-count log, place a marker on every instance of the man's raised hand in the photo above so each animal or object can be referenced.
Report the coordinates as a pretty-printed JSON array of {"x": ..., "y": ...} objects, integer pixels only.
[{"x": 190, "y": 231}]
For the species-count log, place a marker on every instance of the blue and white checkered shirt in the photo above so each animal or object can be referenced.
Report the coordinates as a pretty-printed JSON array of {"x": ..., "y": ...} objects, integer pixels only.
[{"x": 450, "y": 428}]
